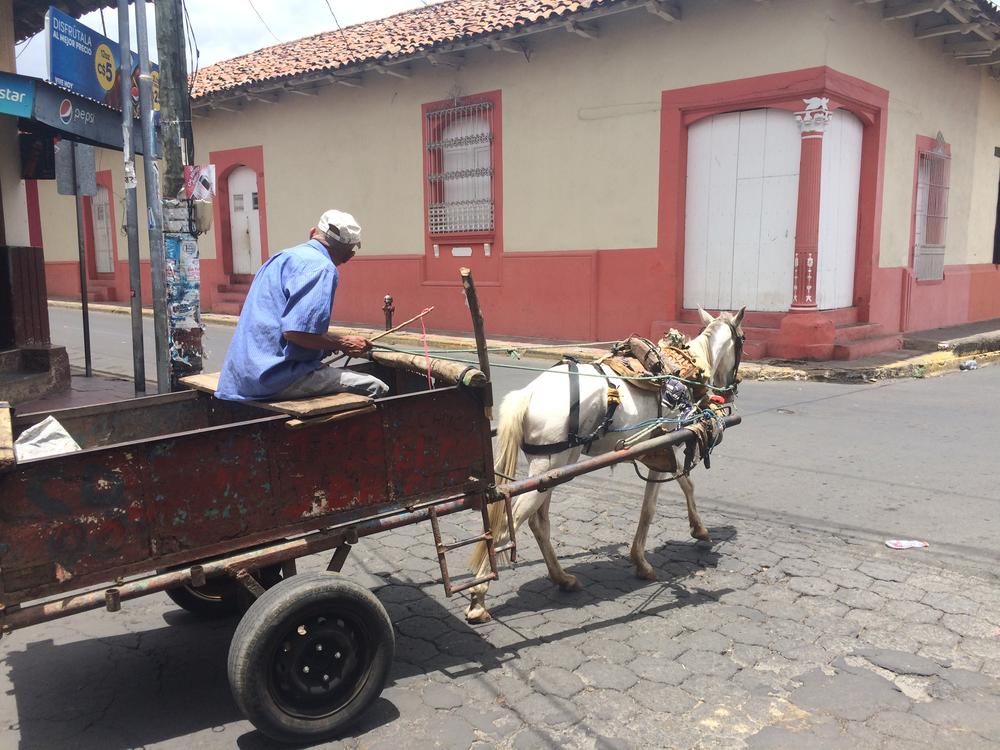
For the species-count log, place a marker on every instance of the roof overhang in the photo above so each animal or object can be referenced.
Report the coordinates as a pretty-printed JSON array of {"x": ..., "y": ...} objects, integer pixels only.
[
  {"x": 968, "y": 30},
  {"x": 448, "y": 54}
]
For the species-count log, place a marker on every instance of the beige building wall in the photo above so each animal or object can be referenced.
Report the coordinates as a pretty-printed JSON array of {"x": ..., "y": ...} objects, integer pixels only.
[
  {"x": 58, "y": 212},
  {"x": 929, "y": 93},
  {"x": 581, "y": 129}
]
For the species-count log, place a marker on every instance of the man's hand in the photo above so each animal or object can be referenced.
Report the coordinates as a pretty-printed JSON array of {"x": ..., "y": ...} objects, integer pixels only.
[{"x": 354, "y": 346}]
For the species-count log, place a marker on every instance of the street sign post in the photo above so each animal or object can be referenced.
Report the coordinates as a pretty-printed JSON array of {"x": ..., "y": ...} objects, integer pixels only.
[{"x": 76, "y": 175}]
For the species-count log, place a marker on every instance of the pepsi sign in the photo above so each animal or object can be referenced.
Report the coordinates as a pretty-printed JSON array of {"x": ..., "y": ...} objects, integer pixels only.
[{"x": 86, "y": 120}]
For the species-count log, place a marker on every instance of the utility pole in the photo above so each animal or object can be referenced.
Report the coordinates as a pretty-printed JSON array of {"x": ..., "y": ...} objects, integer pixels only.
[
  {"x": 131, "y": 203},
  {"x": 183, "y": 272},
  {"x": 154, "y": 207}
]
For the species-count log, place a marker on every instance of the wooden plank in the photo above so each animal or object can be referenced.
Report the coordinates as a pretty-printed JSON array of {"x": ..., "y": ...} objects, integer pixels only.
[
  {"x": 298, "y": 424},
  {"x": 303, "y": 407},
  {"x": 7, "y": 460},
  {"x": 207, "y": 382}
]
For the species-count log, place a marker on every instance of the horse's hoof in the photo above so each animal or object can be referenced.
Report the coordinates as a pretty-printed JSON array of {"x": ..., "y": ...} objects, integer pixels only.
[
  {"x": 477, "y": 615},
  {"x": 647, "y": 573},
  {"x": 570, "y": 584},
  {"x": 701, "y": 534}
]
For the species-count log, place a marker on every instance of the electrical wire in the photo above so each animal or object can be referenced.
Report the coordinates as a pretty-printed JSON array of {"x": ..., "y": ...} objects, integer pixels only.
[
  {"x": 193, "y": 42},
  {"x": 343, "y": 34},
  {"x": 26, "y": 45},
  {"x": 264, "y": 22}
]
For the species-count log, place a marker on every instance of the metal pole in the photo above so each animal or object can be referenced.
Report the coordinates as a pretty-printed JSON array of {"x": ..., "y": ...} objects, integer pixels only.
[
  {"x": 83, "y": 270},
  {"x": 131, "y": 204},
  {"x": 388, "y": 308},
  {"x": 154, "y": 208}
]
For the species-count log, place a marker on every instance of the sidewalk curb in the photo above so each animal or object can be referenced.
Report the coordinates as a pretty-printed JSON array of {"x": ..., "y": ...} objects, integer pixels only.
[{"x": 922, "y": 366}]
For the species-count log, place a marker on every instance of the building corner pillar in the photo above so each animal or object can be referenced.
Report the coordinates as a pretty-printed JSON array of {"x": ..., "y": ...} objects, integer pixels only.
[{"x": 812, "y": 123}]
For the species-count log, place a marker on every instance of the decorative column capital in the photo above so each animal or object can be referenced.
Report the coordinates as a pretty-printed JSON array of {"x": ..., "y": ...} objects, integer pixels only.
[{"x": 815, "y": 117}]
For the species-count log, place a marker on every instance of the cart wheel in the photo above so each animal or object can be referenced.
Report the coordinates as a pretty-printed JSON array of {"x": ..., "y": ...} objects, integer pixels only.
[
  {"x": 310, "y": 656},
  {"x": 221, "y": 596}
]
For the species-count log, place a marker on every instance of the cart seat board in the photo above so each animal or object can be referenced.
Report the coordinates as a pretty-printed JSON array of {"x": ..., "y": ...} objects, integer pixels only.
[{"x": 303, "y": 407}]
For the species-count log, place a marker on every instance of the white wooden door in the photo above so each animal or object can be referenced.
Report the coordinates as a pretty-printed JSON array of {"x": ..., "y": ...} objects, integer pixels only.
[
  {"x": 244, "y": 220},
  {"x": 100, "y": 209},
  {"x": 838, "y": 211},
  {"x": 742, "y": 193}
]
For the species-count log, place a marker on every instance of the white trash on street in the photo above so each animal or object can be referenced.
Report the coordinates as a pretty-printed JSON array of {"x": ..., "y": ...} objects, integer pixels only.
[{"x": 905, "y": 543}]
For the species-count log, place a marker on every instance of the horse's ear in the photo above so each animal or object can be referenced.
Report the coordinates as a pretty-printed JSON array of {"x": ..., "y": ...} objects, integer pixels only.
[
  {"x": 706, "y": 318},
  {"x": 738, "y": 316}
]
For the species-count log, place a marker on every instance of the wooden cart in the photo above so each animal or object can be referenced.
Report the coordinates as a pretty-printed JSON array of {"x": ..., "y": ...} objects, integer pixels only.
[{"x": 212, "y": 501}]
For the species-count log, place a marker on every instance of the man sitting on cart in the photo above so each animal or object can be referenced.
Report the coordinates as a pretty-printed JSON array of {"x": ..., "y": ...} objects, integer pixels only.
[{"x": 281, "y": 338}]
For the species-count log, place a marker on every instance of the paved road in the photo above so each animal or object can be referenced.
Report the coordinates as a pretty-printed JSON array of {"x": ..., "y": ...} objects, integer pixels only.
[{"x": 796, "y": 628}]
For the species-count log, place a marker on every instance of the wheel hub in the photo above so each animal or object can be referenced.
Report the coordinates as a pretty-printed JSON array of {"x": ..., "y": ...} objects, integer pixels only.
[{"x": 318, "y": 665}]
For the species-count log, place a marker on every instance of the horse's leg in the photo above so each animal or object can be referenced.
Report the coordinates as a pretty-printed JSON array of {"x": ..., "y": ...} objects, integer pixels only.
[
  {"x": 524, "y": 508},
  {"x": 698, "y": 530},
  {"x": 539, "y": 523},
  {"x": 638, "y": 552}
]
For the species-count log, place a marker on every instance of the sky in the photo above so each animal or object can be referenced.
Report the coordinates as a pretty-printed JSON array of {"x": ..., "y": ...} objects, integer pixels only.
[{"x": 227, "y": 28}]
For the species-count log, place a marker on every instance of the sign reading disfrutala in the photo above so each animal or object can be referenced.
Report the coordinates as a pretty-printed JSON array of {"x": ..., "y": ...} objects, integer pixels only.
[{"x": 86, "y": 62}]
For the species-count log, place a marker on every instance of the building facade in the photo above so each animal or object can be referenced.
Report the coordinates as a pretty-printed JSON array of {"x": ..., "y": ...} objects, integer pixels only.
[{"x": 606, "y": 167}]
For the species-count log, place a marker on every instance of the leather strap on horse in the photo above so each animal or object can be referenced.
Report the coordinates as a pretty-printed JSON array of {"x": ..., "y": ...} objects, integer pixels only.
[{"x": 575, "y": 439}]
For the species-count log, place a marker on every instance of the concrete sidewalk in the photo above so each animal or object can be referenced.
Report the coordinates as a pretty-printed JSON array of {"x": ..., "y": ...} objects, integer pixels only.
[{"x": 924, "y": 353}]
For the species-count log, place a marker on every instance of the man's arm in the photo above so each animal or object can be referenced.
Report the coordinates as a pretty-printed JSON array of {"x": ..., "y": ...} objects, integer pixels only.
[{"x": 352, "y": 345}]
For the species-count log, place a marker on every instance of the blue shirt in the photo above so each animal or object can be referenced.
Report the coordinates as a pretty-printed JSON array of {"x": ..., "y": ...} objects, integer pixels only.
[{"x": 292, "y": 291}]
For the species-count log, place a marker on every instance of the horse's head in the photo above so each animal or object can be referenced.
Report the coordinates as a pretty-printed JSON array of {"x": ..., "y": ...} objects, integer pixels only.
[{"x": 723, "y": 339}]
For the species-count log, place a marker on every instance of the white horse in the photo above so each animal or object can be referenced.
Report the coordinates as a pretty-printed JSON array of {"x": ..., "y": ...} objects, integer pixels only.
[{"x": 539, "y": 415}]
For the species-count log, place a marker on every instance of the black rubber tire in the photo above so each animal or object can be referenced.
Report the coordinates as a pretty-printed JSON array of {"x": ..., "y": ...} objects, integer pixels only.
[
  {"x": 310, "y": 656},
  {"x": 222, "y": 596}
]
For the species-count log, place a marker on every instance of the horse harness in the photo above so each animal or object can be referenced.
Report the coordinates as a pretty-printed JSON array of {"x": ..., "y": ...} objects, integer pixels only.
[
  {"x": 575, "y": 439},
  {"x": 636, "y": 357}
]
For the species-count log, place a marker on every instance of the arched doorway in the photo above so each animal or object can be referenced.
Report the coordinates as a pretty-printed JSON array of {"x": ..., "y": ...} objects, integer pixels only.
[{"x": 244, "y": 221}]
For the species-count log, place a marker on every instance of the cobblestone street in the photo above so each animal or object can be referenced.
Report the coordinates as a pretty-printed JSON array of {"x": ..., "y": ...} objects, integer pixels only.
[{"x": 768, "y": 638}]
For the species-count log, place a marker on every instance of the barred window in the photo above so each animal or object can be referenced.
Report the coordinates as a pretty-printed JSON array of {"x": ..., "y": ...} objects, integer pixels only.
[
  {"x": 931, "y": 220},
  {"x": 460, "y": 168}
]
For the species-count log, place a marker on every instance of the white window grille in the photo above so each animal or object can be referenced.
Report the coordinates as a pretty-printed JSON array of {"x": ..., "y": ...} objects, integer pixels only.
[
  {"x": 460, "y": 175},
  {"x": 931, "y": 216}
]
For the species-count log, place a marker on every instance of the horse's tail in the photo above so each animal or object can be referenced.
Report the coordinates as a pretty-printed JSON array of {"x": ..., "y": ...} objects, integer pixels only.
[{"x": 510, "y": 434}]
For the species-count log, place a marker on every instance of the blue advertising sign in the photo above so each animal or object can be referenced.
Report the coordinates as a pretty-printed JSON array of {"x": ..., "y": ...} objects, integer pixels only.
[
  {"x": 86, "y": 63},
  {"x": 17, "y": 95}
]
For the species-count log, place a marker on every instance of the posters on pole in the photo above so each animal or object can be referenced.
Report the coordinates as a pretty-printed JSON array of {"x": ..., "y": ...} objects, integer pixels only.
[
  {"x": 199, "y": 181},
  {"x": 86, "y": 63}
]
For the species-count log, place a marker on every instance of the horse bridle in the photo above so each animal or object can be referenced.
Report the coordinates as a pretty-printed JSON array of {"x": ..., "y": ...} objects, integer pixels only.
[{"x": 738, "y": 339}]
